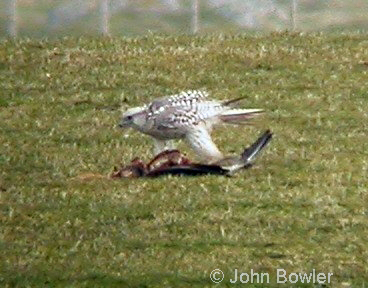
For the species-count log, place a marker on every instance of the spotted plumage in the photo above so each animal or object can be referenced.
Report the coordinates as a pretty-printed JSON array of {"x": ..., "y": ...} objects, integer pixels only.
[{"x": 189, "y": 115}]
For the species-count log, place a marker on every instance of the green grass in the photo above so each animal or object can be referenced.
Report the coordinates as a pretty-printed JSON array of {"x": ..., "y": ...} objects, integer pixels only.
[{"x": 302, "y": 207}]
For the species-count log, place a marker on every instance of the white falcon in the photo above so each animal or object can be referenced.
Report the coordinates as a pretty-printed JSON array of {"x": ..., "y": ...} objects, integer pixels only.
[{"x": 189, "y": 115}]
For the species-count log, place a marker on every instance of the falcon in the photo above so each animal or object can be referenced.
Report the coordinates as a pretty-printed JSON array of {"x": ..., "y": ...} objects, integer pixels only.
[{"x": 189, "y": 115}]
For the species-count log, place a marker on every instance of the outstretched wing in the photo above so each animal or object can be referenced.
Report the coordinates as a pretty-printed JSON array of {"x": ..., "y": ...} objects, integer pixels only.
[{"x": 252, "y": 151}]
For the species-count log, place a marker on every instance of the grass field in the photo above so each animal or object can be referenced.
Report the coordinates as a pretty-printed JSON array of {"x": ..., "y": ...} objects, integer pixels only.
[{"x": 303, "y": 206}]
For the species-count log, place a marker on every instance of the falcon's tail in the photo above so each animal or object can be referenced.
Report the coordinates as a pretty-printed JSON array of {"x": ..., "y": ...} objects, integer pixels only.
[
  {"x": 239, "y": 116},
  {"x": 235, "y": 115}
]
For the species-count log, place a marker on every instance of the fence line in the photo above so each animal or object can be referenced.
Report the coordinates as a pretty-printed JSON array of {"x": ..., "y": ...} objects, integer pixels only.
[
  {"x": 195, "y": 18},
  {"x": 104, "y": 17},
  {"x": 12, "y": 18},
  {"x": 251, "y": 14},
  {"x": 293, "y": 15}
]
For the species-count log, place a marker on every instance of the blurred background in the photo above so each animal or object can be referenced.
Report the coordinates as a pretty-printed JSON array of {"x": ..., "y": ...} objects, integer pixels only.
[{"x": 54, "y": 18}]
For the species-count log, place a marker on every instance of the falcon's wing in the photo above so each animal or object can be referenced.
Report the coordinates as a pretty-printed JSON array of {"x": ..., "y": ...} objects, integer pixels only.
[
  {"x": 179, "y": 118},
  {"x": 186, "y": 121},
  {"x": 184, "y": 99},
  {"x": 187, "y": 97}
]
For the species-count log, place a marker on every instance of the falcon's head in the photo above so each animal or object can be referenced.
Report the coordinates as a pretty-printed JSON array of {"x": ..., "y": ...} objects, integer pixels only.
[{"x": 133, "y": 117}]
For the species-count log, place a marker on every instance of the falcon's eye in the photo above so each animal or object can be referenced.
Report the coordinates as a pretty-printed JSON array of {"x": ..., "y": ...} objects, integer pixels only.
[{"x": 130, "y": 117}]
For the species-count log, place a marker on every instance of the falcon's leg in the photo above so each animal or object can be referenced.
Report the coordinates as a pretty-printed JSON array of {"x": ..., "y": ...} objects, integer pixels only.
[
  {"x": 201, "y": 142},
  {"x": 162, "y": 145}
]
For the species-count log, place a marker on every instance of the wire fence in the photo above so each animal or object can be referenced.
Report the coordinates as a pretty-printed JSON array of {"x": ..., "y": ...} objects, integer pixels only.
[{"x": 49, "y": 18}]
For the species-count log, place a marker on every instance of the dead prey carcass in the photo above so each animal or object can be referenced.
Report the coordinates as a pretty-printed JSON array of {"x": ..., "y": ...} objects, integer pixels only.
[{"x": 173, "y": 162}]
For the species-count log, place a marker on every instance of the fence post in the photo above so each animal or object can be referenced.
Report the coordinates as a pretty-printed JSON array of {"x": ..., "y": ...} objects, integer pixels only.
[
  {"x": 12, "y": 18},
  {"x": 293, "y": 14},
  {"x": 104, "y": 17},
  {"x": 195, "y": 18}
]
